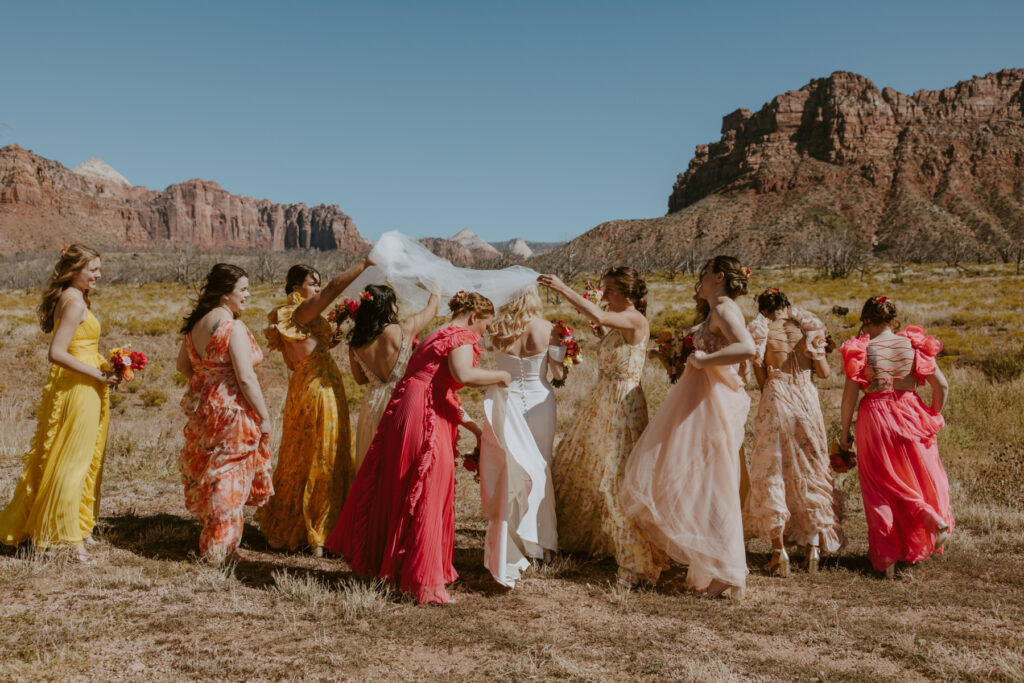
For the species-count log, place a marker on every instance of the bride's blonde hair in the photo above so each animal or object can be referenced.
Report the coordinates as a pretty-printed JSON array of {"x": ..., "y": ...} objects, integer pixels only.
[
  {"x": 513, "y": 318},
  {"x": 73, "y": 258}
]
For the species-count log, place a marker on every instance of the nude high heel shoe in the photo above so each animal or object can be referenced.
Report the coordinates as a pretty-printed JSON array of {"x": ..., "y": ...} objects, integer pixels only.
[
  {"x": 813, "y": 560},
  {"x": 780, "y": 567}
]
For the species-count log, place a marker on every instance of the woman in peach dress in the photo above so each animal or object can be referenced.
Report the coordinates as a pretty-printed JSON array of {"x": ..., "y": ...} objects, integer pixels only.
[
  {"x": 225, "y": 464},
  {"x": 791, "y": 496},
  {"x": 682, "y": 480},
  {"x": 905, "y": 490}
]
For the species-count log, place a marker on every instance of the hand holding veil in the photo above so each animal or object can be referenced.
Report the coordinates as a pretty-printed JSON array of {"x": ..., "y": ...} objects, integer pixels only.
[{"x": 413, "y": 272}]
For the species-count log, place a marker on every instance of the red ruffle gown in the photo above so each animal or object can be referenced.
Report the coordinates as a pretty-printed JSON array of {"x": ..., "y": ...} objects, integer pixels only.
[
  {"x": 901, "y": 477},
  {"x": 398, "y": 522}
]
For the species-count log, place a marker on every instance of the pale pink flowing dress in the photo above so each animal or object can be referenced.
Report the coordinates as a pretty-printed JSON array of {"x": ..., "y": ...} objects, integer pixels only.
[
  {"x": 901, "y": 477},
  {"x": 682, "y": 480}
]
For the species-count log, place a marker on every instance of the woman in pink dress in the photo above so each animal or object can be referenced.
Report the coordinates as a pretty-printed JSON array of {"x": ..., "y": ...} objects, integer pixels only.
[
  {"x": 398, "y": 522},
  {"x": 682, "y": 480},
  {"x": 225, "y": 464},
  {"x": 905, "y": 490}
]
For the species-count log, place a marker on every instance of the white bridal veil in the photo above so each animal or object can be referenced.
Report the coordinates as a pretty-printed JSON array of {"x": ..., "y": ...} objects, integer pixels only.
[{"x": 413, "y": 272}]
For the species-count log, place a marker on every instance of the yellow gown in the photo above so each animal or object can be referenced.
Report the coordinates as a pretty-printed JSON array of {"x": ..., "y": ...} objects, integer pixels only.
[
  {"x": 57, "y": 498},
  {"x": 315, "y": 464}
]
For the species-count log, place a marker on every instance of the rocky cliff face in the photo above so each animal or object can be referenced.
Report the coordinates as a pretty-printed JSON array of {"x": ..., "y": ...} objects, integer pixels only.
[
  {"x": 44, "y": 205},
  {"x": 932, "y": 175}
]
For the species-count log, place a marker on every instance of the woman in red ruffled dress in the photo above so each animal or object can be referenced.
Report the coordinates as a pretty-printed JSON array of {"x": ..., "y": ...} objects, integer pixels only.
[
  {"x": 905, "y": 490},
  {"x": 398, "y": 522}
]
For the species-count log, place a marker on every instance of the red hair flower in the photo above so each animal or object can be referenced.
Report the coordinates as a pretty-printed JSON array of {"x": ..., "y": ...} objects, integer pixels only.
[
  {"x": 64, "y": 249},
  {"x": 366, "y": 296},
  {"x": 746, "y": 272}
]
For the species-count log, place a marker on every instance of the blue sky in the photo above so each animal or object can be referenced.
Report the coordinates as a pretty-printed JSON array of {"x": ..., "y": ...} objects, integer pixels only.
[{"x": 532, "y": 119}]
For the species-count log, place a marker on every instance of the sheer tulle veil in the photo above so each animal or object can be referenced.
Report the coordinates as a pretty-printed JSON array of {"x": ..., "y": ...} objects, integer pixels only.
[{"x": 413, "y": 272}]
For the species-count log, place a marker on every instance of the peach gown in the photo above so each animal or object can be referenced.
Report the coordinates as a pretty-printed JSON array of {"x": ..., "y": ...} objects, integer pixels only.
[{"x": 682, "y": 480}]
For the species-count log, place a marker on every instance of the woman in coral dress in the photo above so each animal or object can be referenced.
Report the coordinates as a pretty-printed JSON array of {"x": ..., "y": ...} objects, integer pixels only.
[
  {"x": 57, "y": 498},
  {"x": 379, "y": 348},
  {"x": 398, "y": 522},
  {"x": 516, "y": 489},
  {"x": 682, "y": 480},
  {"x": 905, "y": 490},
  {"x": 791, "y": 497},
  {"x": 225, "y": 463},
  {"x": 590, "y": 460},
  {"x": 314, "y": 464}
]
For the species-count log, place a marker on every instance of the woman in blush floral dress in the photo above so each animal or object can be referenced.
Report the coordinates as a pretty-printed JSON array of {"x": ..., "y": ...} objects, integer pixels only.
[
  {"x": 398, "y": 522},
  {"x": 379, "y": 348},
  {"x": 682, "y": 480},
  {"x": 225, "y": 464},
  {"x": 791, "y": 495},
  {"x": 314, "y": 464},
  {"x": 905, "y": 490},
  {"x": 590, "y": 460}
]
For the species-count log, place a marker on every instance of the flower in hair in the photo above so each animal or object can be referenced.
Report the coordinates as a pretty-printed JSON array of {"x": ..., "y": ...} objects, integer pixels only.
[
  {"x": 64, "y": 249},
  {"x": 881, "y": 299},
  {"x": 771, "y": 290},
  {"x": 745, "y": 271},
  {"x": 366, "y": 296}
]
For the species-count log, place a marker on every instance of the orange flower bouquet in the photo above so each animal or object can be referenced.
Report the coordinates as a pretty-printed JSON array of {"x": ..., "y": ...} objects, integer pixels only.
[
  {"x": 841, "y": 460},
  {"x": 126, "y": 362}
]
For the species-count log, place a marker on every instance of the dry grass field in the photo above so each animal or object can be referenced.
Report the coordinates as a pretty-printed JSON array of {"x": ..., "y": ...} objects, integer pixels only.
[{"x": 149, "y": 610}]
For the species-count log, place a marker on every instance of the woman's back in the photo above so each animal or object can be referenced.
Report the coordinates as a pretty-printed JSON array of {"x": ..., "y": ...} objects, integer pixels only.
[{"x": 380, "y": 359}]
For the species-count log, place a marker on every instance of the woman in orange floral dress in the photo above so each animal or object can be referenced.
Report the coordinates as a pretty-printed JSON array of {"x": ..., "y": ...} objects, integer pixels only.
[
  {"x": 315, "y": 464},
  {"x": 225, "y": 464}
]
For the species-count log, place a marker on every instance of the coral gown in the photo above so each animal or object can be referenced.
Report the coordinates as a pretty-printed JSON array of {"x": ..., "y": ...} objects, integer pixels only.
[
  {"x": 682, "y": 480},
  {"x": 314, "y": 464},
  {"x": 591, "y": 459},
  {"x": 57, "y": 498},
  {"x": 398, "y": 522},
  {"x": 225, "y": 464},
  {"x": 901, "y": 477}
]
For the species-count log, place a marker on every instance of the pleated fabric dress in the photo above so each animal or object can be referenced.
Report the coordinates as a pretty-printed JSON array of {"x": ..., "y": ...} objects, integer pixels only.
[
  {"x": 57, "y": 498},
  {"x": 398, "y": 522}
]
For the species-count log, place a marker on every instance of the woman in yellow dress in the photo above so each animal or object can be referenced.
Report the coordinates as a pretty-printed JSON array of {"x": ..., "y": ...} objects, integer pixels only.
[
  {"x": 315, "y": 464},
  {"x": 56, "y": 501}
]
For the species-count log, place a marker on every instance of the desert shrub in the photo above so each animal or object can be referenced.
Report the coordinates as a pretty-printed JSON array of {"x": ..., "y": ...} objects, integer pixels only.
[
  {"x": 179, "y": 379},
  {"x": 116, "y": 399},
  {"x": 150, "y": 327},
  {"x": 153, "y": 398},
  {"x": 1002, "y": 365},
  {"x": 672, "y": 321}
]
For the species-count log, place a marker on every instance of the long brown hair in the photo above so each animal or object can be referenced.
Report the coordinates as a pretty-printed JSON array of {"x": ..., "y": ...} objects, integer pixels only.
[
  {"x": 221, "y": 280},
  {"x": 631, "y": 284},
  {"x": 737, "y": 277},
  {"x": 72, "y": 260}
]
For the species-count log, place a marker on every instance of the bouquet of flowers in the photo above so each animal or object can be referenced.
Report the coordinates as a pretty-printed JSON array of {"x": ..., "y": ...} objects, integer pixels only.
[
  {"x": 126, "y": 362},
  {"x": 595, "y": 295},
  {"x": 471, "y": 461},
  {"x": 345, "y": 310},
  {"x": 572, "y": 350},
  {"x": 840, "y": 459},
  {"x": 675, "y": 349}
]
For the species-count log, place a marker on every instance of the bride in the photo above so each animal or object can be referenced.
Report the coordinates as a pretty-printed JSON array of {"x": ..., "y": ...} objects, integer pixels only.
[
  {"x": 682, "y": 479},
  {"x": 516, "y": 491}
]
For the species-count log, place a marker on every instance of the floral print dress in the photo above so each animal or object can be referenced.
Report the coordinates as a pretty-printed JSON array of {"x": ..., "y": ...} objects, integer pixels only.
[
  {"x": 590, "y": 460},
  {"x": 315, "y": 466},
  {"x": 225, "y": 464}
]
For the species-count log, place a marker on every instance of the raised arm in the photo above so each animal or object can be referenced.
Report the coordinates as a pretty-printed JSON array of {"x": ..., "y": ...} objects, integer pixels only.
[
  {"x": 622, "y": 320},
  {"x": 460, "y": 363},
  {"x": 308, "y": 310},
  {"x": 417, "y": 322},
  {"x": 731, "y": 326},
  {"x": 241, "y": 360},
  {"x": 72, "y": 312}
]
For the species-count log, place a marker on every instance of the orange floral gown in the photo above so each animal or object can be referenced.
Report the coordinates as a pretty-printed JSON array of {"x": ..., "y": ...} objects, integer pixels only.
[
  {"x": 225, "y": 464},
  {"x": 315, "y": 464}
]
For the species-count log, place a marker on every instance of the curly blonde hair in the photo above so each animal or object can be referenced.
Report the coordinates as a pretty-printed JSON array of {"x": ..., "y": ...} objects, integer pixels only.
[
  {"x": 474, "y": 302},
  {"x": 72, "y": 259},
  {"x": 513, "y": 317}
]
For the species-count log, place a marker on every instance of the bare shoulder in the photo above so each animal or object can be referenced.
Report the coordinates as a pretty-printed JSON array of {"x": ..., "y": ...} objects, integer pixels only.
[{"x": 71, "y": 306}]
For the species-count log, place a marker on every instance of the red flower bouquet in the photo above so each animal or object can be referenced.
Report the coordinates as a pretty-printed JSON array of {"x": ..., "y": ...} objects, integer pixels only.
[
  {"x": 841, "y": 460},
  {"x": 675, "y": 349},
  {"x": 572, "y": 350},
  {"x": 126, "y": 362}
]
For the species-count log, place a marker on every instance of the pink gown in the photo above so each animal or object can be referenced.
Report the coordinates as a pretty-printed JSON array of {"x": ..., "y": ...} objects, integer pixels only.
[
  {"x": 901, "y": 477},
  {"x": 682, "y": 481},
  {"x": 398, "y": 522}
]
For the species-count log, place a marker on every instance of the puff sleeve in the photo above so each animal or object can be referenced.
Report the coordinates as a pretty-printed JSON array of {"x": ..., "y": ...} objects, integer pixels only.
[
  {"x": 926, "y": 347},
  {"x": 855, "y": 358}
]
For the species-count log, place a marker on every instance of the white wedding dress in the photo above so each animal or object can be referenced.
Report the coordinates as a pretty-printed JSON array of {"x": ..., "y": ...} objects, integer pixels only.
[{"x": 516, "y": 490}]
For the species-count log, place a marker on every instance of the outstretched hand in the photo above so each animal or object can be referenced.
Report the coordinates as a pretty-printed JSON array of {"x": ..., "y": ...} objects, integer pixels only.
[{"x": 552, "y": 282}]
